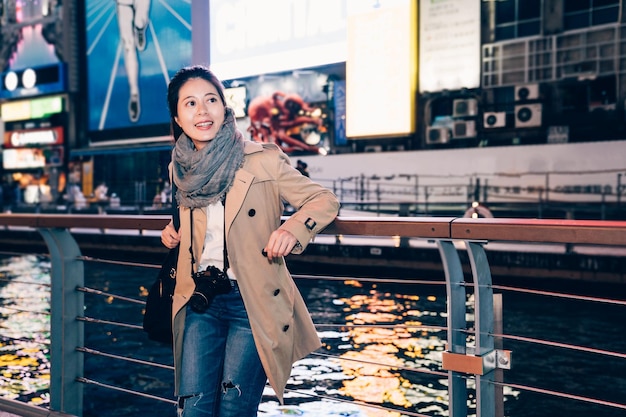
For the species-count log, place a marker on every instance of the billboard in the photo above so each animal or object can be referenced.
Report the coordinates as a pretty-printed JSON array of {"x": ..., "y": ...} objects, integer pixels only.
[
  {"x": 133, "y": 47},
  {"x": 449, "y": 54},
  {"x": 381, "y": 69},
  {"x": 252, "y": 37},
  {"x": 30, "y": 49}
]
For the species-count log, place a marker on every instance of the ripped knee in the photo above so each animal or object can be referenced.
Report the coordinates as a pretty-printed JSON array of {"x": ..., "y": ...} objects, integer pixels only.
[
  {"x": 187, "y": 400},
  {"x": 228, "y": 386}
]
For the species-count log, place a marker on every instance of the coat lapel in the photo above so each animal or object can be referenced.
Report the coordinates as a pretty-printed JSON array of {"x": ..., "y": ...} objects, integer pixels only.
[
  {"x": 241, "y": 185},
  {"x": 236, "y": 195}
]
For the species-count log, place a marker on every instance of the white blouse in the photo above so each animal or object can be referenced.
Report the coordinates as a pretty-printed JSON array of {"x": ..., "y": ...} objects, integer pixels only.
[{"x": 213, "y": 253}]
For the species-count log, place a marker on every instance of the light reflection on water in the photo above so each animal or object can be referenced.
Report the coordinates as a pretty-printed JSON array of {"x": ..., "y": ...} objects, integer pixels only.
[
  {"x": 356, "y": 373},
  {"x": 25, "y": 329},
  {"x": 349, "y": 311},
  {"x": 381, "y": 338}
]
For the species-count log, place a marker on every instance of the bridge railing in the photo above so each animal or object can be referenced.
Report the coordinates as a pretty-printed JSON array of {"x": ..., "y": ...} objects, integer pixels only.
[{"x": 473, "y": 355}]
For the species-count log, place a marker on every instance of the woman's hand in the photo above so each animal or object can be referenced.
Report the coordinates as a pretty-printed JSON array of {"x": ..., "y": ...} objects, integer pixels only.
[
  {"x": 170, "y": 237},
  {"x": 280, "y": 244}
]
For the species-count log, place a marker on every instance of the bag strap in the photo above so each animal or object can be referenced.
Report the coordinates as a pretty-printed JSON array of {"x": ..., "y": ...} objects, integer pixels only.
[
  {"x": 226, "y": 265},
  {"x": 193, "y": 259},
  {"x": 175, "y": 212}
]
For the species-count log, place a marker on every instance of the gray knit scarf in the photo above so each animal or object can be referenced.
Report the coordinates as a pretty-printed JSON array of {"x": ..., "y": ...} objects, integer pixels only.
[{"x": 203, "y": 177}]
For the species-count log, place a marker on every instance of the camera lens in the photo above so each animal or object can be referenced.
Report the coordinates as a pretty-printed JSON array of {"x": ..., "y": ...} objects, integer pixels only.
[{"x": 198, "y": 302}]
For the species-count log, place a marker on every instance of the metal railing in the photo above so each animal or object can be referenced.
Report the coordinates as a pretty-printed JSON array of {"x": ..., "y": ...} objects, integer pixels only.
[
  {"x": 474, "y": 355},
  {"x": 525, "y": 194}
]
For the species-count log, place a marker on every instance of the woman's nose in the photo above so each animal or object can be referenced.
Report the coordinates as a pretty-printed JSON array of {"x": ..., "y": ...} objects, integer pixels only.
[{"x": 202, "y": 108}]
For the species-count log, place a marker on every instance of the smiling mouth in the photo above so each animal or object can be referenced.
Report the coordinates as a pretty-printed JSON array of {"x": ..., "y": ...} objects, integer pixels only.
[{"x": 204, "y": 124}]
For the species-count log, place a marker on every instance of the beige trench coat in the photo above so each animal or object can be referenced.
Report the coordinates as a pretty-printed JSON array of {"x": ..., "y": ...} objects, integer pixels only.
[{"x": 281, "y": 325}]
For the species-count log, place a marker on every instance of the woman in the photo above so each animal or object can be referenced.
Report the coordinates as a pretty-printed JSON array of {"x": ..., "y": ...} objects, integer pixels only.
[{"x": 230, "y": 193}]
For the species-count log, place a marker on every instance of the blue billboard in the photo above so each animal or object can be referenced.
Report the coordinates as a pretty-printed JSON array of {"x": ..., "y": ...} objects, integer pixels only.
[
  {"x": 31, "y": 49},
  {"x": 133, "y": 47}
]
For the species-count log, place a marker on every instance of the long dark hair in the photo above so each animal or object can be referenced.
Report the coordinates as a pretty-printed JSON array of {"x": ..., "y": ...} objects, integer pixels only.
[{"x": 178, "y": 80}]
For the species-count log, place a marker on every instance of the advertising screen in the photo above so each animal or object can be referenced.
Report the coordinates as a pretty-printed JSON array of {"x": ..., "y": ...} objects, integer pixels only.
[
  {"x": 23, "y": 158},
  {"x": 30, "y": 49},
  {"x": 252, "y": 37},
  {"x": 385, "y": 58},
  {"x": 449, "y": 54},
  {"x": 133, "y": 48}
]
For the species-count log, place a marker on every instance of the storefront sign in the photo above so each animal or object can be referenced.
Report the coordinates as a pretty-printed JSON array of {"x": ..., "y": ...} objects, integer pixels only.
[
  {"x": 38, "y": 108},
  {"x": 33, "y": 81},
  {"x": 22, "y": 138}
]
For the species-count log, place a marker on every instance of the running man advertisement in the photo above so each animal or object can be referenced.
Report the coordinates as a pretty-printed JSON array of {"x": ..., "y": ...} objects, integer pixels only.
[{"x": 133, "y": 48}]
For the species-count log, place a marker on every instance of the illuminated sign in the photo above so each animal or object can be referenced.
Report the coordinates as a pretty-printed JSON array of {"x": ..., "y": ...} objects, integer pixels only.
[
  {"x": 33, "y": 81},
  {"x": 127, "y": 89},
  {"x": 252, "y": 37},
  {"x": 236, "y": 99},
  {"x": 381, "y": 70},
  {"x": 44, "y": 107},
  {"x": 32, "y": 158},
  {"x": 449, "y": 51},
  {"x": 22, "y": 138},
  {"x": 15, "y": 110},
  {"x": 23, "y": 158},
  {"x": 38, "y": 108}
]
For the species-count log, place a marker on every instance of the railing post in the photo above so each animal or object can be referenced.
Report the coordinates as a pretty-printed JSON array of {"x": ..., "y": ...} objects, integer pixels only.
[
  {"x": 483, "y": 324},
  {"x": 457, "y": 387},
  {"x": 498, "y": 329},
  {"x": 66, "y": 332}
]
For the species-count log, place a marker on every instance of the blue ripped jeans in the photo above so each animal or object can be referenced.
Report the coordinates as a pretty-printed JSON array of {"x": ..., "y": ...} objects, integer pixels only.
[{"x": 222, "y": 375}]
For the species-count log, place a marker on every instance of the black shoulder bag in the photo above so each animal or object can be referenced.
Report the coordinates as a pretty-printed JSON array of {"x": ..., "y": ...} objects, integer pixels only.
[{"x": 157, "y": 320}]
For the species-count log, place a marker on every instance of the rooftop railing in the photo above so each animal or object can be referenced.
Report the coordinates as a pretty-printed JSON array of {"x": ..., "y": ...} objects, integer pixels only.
[{"x": 474, "y": 360}]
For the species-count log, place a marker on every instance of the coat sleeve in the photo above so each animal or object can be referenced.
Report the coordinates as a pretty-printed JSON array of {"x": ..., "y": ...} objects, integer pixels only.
[{"x": 316, "y": 206}]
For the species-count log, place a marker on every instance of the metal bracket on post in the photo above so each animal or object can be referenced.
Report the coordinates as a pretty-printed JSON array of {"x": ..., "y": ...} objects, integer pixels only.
[
  {"x": 503, "y": 359},
  {"x": 460, "y": 359},
  {"x": 477, "y": 365}
]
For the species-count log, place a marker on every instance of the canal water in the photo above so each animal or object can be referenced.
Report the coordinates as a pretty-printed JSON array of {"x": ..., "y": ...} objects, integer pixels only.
[{"x": 348, "y": 309}]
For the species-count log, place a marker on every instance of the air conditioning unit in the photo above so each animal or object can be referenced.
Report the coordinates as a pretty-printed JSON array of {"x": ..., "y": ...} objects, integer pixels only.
[
  {"x": 494, "y": 119},
  {"x": 435, "y": 135},
  {"x": 526, "y": 92},
  {"x": 373, "y": 148},
  {"x": 464, "y": 107},
  {"x": 528, "y": 115},
  {"x": 464, "y": 129}
]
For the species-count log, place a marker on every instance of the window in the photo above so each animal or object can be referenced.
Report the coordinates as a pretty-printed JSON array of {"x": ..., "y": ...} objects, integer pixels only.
[
  {"x": 517, "y": 18},
  {"x": 584, "y": 13}
]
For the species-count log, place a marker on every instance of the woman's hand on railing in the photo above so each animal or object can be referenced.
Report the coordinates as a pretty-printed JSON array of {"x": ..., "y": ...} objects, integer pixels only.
[{"x": 170, "y": 237}]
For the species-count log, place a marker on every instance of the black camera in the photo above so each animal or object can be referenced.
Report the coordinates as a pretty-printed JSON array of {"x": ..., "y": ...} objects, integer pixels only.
[{"x": 209, "y": 283}]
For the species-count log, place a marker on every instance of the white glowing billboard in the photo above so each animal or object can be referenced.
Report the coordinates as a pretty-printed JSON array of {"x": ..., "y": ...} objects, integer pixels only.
[
  {"x": 449, "y": 52},
  {"x": 381, "y": 70},
  {"x": 252, "y": 37}
]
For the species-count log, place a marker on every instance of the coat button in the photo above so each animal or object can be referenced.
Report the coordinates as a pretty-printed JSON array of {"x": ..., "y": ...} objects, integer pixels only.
[
  {"x": 251, "y": 212},
  {"x": 285, "y": 327},
  {"x": 276, "y": 292}
]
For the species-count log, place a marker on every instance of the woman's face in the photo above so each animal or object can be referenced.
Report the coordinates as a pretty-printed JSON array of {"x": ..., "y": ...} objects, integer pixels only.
[{"x": 200, "y": 111}]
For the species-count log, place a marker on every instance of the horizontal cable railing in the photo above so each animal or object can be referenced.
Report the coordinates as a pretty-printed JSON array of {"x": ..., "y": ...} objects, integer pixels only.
[{"x": 470, "y": 340}]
